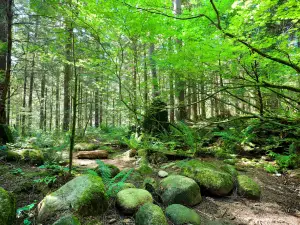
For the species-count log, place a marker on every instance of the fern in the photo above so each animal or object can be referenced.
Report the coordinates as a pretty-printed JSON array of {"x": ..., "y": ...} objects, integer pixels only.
[
  {"x": 115, "y": 184},
  {"x": 105, "y": 172}
]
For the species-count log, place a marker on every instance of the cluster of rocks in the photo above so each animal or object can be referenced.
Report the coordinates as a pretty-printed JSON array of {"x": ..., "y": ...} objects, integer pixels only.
[{"x": 86, "y": 195}]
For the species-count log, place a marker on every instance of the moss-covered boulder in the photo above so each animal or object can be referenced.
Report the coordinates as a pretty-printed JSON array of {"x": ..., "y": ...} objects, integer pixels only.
[
  {"x": 12, "y": 156},
  {"x": 68, "y": 220},
  {"x": 247, "y": 187},
  {"x": 180, "y": 215},
  {"x": 210, "y": 176},
  {"x": 150, "y": 214},
  {"x": 179, "y": 189},
  {"x": 85, "y": 147},
  {"x": 84, "y": 195},
  {"x": 129, "y": 200},
  {"x": 32, "y": 156},
  {"x": 7, "y": 207}
]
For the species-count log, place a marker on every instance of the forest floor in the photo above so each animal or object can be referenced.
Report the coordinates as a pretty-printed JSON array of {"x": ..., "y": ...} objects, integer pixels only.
[{"x": 279, "y": 203}]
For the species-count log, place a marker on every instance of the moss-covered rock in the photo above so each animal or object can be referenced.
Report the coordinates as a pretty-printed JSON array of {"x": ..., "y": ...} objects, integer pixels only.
[
  {"x": 84, "y": 195},
  {"x": 129, "y": 200},
  {"x": 85, "y": 147},
  {"x": 68, "y": 220},
  {"x": 247, "y": 187},
  {"x": 230, "y": 169},
  {"x": 211, "y": 177},
  {"x": 179, "y": 189},
  {"x": 150, "y": 214},
  {"x": 32, "y": 156},
  {"x": 7, "y": 207},
  {"x": 12, "y": 156},
  {"x": 180, "y": 215}
]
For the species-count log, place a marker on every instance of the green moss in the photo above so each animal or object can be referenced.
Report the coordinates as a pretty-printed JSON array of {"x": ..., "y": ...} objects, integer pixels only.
[
  {"x": 33, "y": 156},
  {"x": 210, "y": 176},
  {"x": 68, "y": 220},
  {"x": 248, "y": 187},
  {"x": 12, "y": 156},
  {"x": 129, "y": 200},
  {"x": 145, "y": 169},
  {"x": 84, "y": 195},
  {"x": 7, "y": 207},
  {"x": 180, "y": 215},
  {"x": 230, "y": 169},
  {"x": 179, "y": 189},
  {"x": 150, "y": 214},
  {"x": 85, "y": 147}
]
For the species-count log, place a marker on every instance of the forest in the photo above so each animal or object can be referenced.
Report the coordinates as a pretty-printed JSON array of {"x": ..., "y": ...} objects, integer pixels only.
[{"x": 149, "y": 112}]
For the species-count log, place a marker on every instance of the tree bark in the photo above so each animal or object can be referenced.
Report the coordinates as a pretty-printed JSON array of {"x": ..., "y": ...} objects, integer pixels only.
[
  {"x": 67, "y": 78},
  {"x": 6, "y": 18}
]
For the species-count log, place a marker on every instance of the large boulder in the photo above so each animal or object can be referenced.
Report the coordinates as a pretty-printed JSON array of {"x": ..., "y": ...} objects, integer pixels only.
[
  {"x": 7, "y": 207},
  {"x": 67, "y": 220},
  {"x": 84, "y": 195},
  {"x": 97, "y": 154},
  {"x": 180, "y": 215},
  {"x": 85, "y": 147},
  {"x": 32, "y": 156},
  {"x": 129, "y": 200},
  {"x": 150, "y": 214},
  {"x": 214, "y": 178},
  {"x": 179, "y": 189},
  {"x": 247, "y": 187}
]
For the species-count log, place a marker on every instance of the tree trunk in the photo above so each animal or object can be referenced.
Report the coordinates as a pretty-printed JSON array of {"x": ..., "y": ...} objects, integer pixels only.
[
  {"x": 31, "y": 84},
  {"x": 42, "y": 102},
  {"x": 145, "y": 80},
  {"x": 6, "y": 17},
  {"x": 97, "y": 106},
  {"x": 155, "y": 90},
  {"x": 57, "y": 103},
  {"x": 67, "y": 78}
]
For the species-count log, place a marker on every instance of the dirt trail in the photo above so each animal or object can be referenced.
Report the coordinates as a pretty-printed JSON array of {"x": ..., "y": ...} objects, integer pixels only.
[{"x": 279, "y": 203}]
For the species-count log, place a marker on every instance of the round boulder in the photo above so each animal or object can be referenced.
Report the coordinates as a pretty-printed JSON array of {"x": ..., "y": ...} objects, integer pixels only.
[
  {"x": 247, "y": 187},
  {"x": 129, "y": 200},
  {"x": 180, "y": 215},
  {"x": 150, "y": 214},
  {"x": 215, "y": 179},
  {"x": 84, "y": 195},
  {"x": 162, "y": 174},
  {"x": 179, "y": 189}
]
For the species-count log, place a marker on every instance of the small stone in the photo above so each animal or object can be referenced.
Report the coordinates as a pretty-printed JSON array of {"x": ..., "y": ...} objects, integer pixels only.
[
  {"x": 162, "y": 174},
  {"x": 112, "y": 221}
]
